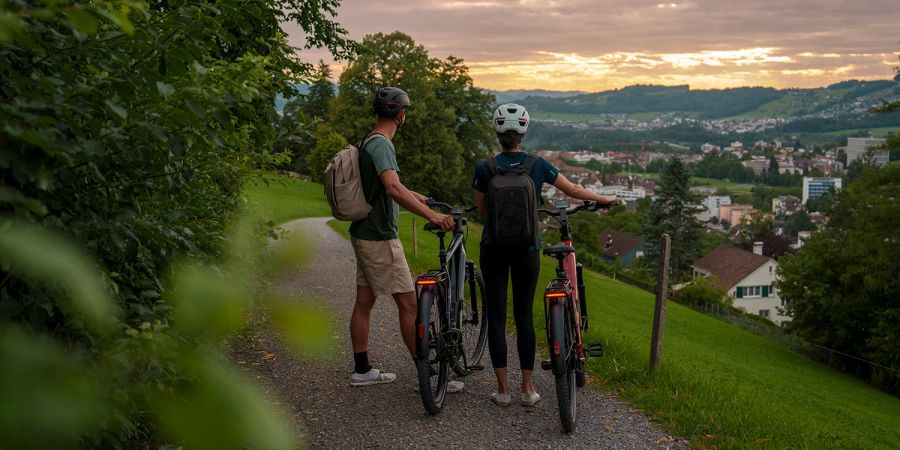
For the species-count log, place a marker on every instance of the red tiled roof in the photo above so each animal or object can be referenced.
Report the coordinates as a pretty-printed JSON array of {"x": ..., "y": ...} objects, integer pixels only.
[
  {"x": 730, "y": 264},
  {"x": 622, "y": 242}
]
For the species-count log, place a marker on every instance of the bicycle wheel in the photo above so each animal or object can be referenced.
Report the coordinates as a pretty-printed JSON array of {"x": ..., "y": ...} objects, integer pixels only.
[
  {"x": 473, "y": 324},
  {"x": 563, "y": 369},
  {"x": 432, "y": 367}
]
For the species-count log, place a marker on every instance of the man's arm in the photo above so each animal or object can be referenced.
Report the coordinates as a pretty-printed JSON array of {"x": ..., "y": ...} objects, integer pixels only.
[
  {"x": 408, "y": 200},
  {"x": 423, "y": 199},
  {"x": 579, "y": 192},
  {"x": 481, "y": 201}
]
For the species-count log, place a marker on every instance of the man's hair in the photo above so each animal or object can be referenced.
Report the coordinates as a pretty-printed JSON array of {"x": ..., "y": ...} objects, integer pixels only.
[{"x": 510, "y": 139}]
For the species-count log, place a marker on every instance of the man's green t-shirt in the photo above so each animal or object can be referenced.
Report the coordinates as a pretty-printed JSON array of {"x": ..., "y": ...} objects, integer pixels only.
[{"x": 382, "y": 223}]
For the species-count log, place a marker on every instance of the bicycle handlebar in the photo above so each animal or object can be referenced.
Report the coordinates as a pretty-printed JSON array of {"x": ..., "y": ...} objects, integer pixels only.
[
  {"x": 445, "y": 206},
  {"x": 589, "y": 205}
]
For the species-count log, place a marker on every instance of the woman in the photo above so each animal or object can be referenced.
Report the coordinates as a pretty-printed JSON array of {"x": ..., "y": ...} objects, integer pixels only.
[{"x": 520, "y": 262}]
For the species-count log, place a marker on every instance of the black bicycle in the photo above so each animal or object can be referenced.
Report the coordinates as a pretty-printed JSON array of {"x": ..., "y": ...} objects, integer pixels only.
[
  {"x": 566, "y": 319},
  {"x": 451, "y": 327}
]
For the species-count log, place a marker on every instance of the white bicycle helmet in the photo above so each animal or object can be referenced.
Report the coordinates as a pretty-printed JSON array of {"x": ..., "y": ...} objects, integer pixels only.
[{"x": 510, "y": 116}]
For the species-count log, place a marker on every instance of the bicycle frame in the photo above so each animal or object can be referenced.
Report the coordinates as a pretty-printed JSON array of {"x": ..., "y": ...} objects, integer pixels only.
[
  {"x": 561, "y": 289},
  {"x": 448, "y": 281}
]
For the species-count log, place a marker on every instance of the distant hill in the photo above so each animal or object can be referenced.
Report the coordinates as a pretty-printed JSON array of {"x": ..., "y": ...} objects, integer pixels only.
[
  {"x": 748, "y": 102},
  {"x": 510, "y": 96}
]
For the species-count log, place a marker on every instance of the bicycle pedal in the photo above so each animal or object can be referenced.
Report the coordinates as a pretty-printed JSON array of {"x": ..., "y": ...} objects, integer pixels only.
[
  {"x": 595, "y": 349},
  {"x": 546, "y": 364}
]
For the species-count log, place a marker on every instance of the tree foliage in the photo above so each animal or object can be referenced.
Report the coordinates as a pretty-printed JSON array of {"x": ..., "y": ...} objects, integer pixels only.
[
  {"x": 673, "y": 212},
  {"x": 448, "y": 128},
  {"x": 842, "y": 285},
  {"x": 129, "y": 128}
]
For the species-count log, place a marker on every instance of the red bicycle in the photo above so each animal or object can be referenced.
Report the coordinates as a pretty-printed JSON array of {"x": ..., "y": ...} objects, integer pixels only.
[{"x": 565, "y": 310}]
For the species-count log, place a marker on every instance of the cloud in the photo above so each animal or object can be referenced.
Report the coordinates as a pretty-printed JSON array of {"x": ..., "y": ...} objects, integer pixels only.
[{"x": 584, "y": 44}]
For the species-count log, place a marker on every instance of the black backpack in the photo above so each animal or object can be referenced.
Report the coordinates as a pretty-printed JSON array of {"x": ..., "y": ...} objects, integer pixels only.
[{"x": 511, "y": 204}]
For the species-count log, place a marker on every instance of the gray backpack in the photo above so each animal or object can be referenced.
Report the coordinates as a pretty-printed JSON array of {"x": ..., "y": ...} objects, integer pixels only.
[
  {"x": 511, "y": 204},
  {"x": 343, "y": 186}
]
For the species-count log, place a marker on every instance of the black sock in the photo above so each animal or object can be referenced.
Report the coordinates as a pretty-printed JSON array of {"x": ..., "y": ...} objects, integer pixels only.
[{"x": 361, "y": 362}]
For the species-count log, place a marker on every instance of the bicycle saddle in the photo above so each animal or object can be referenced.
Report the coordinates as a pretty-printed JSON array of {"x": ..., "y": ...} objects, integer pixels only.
[{"x": 558, "y": 250}]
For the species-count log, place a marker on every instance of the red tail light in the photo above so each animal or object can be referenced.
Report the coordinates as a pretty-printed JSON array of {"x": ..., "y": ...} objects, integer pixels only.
[
  {"x": 426, "y": 281},
  {"x": 554, "y": 294},
  {"x": 556, "y": 348},
  {"x": 421, "y": 331}
]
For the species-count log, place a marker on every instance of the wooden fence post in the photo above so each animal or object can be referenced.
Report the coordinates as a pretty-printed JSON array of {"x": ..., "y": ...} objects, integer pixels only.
[
  {"x": 415, "y": 239},
  {"x": 659, "y": 312}
]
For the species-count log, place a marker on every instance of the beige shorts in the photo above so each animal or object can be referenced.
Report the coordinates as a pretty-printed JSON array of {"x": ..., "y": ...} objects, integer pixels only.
[{"x": 382, "y": 265}]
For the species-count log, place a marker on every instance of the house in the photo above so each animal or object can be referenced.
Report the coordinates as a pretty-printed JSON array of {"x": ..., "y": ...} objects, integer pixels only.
[
  {"x": 734, "y": 213},
  {"x": 748, "y": 278},
  {"x": 620, "y": 245}
]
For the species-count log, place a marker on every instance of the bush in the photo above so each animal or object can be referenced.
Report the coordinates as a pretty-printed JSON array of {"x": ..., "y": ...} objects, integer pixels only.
[{"x": 128, "y": 129}]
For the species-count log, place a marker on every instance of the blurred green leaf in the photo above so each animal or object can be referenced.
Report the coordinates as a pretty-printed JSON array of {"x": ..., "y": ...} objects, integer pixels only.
[
  {"x": 306, "y": 328},
  {"x": 288, "y": 254},
  {"x": 221, "y": 410},
  {"x": 45, "y": 258},
  {"x": 118, "y": 110},
  {"x": 165, "y": 89},
  {"x": 207, "y": 302},
  {"x": 82, "y": 20},
  {"x": 45, "y": 396}
]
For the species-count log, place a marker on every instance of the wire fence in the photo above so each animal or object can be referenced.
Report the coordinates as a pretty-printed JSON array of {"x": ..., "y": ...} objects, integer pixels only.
[{"x": 879, "y": 375}]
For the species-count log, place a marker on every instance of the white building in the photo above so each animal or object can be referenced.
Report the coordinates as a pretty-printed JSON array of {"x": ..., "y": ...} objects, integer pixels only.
[
  {"x": 814, "y": 187},
  {"x": 857, "y": 147},
  {"x": 711, "y": 207},
  {"x": 749, "y": 278},
  {"x": 621, "y": 192},
  {"x": 584, "y": 157}
]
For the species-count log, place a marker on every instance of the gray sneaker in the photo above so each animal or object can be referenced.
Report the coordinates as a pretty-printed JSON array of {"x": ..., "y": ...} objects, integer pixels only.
[
  {"x": 373, "y": 376},
  {"x": 453, "y": 386}
]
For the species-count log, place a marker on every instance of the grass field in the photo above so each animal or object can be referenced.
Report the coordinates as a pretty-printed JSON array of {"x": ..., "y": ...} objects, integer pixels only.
[
  {"x": 700, "y": 181},
  {"x": 279, "y": 198},
  {"x": 719, "y": 386},
  {"x": 877, "y": 132}
]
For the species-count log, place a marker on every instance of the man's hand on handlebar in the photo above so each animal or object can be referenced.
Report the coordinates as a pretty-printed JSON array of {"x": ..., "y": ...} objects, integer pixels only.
[{"x": 441, "y": 220}]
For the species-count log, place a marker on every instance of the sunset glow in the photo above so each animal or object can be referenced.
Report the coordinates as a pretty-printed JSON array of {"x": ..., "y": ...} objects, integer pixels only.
[{"x": 590, "y": 46}]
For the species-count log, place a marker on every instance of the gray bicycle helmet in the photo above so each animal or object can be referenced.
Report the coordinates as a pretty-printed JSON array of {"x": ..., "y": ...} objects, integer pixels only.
[{"x": 389, "y": 101}]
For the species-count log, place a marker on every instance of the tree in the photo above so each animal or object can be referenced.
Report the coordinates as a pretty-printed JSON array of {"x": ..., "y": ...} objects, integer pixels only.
[
  {"x": 760, "y": 227},
  {"x": 328, "y": 143},
  {"x": 673, "y": 212},
  {"x": 773, "y": 168},
  {"x": 842, "y": 285},
  {"x": 797, "y": 222},
  {"x": 320, "y": 94},
  {"x": 448, "y": 128}
]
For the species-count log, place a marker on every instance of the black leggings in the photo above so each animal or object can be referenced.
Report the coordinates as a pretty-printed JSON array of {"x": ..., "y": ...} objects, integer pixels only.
[{"x": 496, "y": 264}]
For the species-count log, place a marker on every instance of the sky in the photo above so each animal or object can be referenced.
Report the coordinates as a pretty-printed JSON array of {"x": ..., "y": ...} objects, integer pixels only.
[{"x": 607, "y": 44}]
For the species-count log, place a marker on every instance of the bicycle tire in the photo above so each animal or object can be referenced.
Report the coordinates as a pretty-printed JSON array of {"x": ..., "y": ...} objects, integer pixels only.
[
  {"x": 564, "y": 372},
  {"x": 474, "y": 335},
  {"x": 434, "y": 362}
]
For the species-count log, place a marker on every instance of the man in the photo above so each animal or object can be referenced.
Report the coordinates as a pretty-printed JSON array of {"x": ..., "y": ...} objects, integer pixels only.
[{"x": 381, "y": 266}]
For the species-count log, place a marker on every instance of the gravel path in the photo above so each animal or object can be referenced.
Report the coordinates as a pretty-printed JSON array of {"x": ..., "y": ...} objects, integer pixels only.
[{"x": 333, "y": 414}]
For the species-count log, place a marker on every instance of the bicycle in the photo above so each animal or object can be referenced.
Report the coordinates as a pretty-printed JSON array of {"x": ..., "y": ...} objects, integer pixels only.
[
  {"x": 454, "y": 334},
  {"x": 566, "y": 320}
]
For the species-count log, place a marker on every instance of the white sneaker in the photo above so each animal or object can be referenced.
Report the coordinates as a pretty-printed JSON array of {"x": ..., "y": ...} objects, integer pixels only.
[
  {"x": 373, "y": 376},
  {"x": 500, "y": 399},
  {"x": 530, "y": 399},
  {"x": 453, "y": 386}
]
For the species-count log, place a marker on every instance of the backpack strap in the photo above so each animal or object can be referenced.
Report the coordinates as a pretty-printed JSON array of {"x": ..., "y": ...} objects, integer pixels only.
[
  {"x": 525, "y": 167},
  {"x": 369, "y": 137},
  {"x": 528, "y": 164},
  {"x": 493, "y": 166}
]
